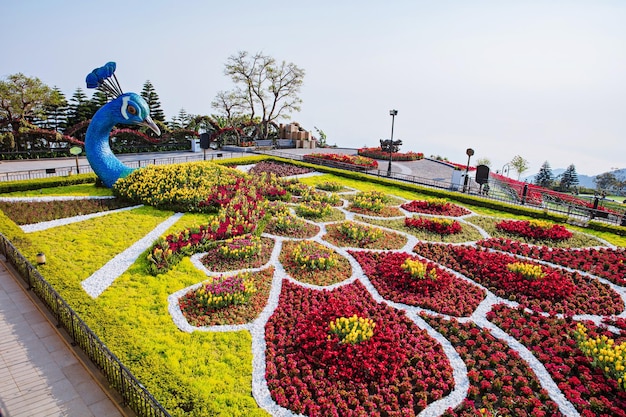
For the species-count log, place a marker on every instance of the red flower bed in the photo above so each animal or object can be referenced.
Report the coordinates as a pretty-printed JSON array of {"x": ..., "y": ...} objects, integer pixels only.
[
  {"x": 558, "y": 292},
  {"x": 398, "y": 371},
  {"x": 449, "y": 294},
  {"x": 359, "y": 161},
  {"x": 436, "y": 208},
  {"x": 534, "y": 230},
  {"x": 501, "y": 383},
  {"x": 552, "y": 341},
  {"x": 378, "y": 153},
  {"x": 435, "y": 225},
  {"x": 603, "y": 262}
]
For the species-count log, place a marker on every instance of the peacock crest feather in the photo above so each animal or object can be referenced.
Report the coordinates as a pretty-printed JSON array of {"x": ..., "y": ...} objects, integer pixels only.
[{"x": 124, "y": 108}]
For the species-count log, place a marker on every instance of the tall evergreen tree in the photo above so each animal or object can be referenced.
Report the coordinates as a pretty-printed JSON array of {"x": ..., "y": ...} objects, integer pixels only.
[
  {"x": 152, "y": 98},
  {"x": 55, "y": 117},
  {"x": 569, "y": 178},
  {"x": 79, "y": 109},
  {"x": 545, "y": 177}
]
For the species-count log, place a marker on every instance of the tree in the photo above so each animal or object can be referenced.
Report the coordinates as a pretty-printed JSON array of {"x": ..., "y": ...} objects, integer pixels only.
[
  {"x": 606, "y": 181},
  {"x": 55, "y": 117},
  {"x": 22, "y": 100},
  {"x": 79, "y": 109},
  {"x": 264, "y": 88},
  {"x": 181, "y": 121},
  {"x": 545, "y": 177},
  {"x": 569, "y": 178},
  {"x": 152, "y": 98},
  {"x": 519, "y": 164}
]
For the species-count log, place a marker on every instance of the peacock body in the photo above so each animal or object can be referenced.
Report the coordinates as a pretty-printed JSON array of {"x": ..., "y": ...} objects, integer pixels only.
[{"x": 125, "y": 108}]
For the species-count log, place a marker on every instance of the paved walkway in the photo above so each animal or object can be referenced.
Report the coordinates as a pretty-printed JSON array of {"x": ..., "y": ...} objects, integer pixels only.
[{"x": 40, "y": 375}]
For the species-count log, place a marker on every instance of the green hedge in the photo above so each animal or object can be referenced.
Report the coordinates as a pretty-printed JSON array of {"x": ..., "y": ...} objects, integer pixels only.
[{"x": 49, "y": 182}]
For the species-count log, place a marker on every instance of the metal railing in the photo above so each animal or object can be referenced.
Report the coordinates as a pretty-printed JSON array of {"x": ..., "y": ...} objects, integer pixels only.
[
  {"x": 133, "y": 393},
  {"x": 135, "y": 163}
]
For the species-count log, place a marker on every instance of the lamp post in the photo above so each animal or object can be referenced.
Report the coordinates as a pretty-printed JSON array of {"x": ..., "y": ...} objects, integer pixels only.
[
  {"x": 393, "y": 114},
  {"x": 469, "y": 152}
]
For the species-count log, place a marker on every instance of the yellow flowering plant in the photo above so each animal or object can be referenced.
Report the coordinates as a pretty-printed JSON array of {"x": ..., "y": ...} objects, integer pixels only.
[
  {"x": 311, "y": 255},
  {"x": 604, "y": 354},
  {"x": 352, "y": 329},
  {"x": 418, "y": 269},
  {"x": 527, "y": 270}
]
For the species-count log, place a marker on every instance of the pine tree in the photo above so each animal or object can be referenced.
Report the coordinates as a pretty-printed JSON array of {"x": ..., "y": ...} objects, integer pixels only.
[
  {"x": 79, "y": 108},
  {"x": 569, "y": 178},
  {"x": 55, "y": 117},
  {"x": 544, "y": 178},
  {"x": 152, "y": 98}
]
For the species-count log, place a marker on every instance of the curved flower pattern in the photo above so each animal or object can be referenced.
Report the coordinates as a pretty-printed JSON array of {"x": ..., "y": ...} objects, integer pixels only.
[{"x": 310, "y": 370}]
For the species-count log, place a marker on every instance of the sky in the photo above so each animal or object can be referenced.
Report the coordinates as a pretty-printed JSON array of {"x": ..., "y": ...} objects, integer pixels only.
[{"x": 545, "y": 80}]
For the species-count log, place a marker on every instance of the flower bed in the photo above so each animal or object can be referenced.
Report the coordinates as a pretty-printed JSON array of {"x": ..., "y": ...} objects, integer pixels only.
[
  {"x": 30, "y": 212},
  {"x": 330, "y": 186},
  {"x": 378, "y": 153},
  {"x": 500, "y": 382},
  {"x": 467, "y": 234},
  {"x": 296, "y": 265},
  {"x": 311, "y": 371},
  {"x": 217, "y": 261},
  {"x": 448, "y": 294},
  {"x": 195, "y": 309},
  {"x": 558, "y": 292},
  {"x": 279, "y": 169},
  {"x": 578, "y": 239},
  {"x": 359, "y": 161},
  {"x": 553, "y": 341},
  {"x": 534, "y": 229},
  {"x": 441, "y": 226},
  {"x": 291, "y": 226},
  {"x": 351, "y": 234},
  {"x": 604, "y": 262},
  {"x": 438, "y": 207}
]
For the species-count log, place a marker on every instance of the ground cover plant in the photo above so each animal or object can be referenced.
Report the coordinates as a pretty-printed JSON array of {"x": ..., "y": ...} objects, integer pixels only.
[
  {"x": 353, "y": 234},
  {"x": 554, "y": 342},
  {"x": 356, "y": 160},
  {"x": 211, "y": 372},
  {"x": 280, "y": 169},
  {"x": 30, "y": 212},
  {"x": 431, "y": 287},
  {"x": 553, "y": 290},
  {"x": 468, "y": 232},
  {"x": 437, "y": 206},
  {"x": 490, "y": 225}
]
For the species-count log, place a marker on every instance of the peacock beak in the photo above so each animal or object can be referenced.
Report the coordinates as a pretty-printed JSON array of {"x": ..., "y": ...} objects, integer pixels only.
[{"x": 148, "y": 122}]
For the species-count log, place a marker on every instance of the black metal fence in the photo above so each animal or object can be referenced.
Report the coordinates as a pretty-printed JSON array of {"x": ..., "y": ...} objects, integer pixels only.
[
  {"x": 133, "y": 393},
  {"x": 135, "y": 163}
]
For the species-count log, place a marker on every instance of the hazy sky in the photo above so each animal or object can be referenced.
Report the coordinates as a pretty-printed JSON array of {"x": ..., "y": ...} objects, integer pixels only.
[{"x": 542, "y": 79}]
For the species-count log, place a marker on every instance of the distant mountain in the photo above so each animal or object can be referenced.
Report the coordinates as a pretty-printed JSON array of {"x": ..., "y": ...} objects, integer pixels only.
[{"x": 583, "y": 180}]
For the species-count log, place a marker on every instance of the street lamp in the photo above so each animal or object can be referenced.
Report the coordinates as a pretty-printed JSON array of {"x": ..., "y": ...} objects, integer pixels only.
[
  {"x": 393, "y": 114},
  {"x": 469, "y": 152}
]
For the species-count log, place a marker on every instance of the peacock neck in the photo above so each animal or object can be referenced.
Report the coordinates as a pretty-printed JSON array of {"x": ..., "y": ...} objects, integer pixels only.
[{"x": 104, "y": 163}]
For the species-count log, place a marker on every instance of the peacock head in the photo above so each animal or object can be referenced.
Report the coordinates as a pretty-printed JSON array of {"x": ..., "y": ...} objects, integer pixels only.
[{"x": 132, "y": 109}]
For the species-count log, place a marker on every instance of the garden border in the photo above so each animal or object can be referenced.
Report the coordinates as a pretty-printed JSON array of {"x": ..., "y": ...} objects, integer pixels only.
[{"x": 133, "y": 393}]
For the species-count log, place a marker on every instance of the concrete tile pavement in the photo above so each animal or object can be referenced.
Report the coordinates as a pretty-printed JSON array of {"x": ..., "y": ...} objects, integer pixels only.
[{"x": 40, "y": 375}]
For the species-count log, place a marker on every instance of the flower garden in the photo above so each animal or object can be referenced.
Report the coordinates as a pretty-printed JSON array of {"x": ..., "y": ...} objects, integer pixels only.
[{"x": 326, "y": 296}]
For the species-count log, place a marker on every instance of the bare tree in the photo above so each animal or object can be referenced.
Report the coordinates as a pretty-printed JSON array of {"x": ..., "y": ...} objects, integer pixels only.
[{"x": 264, "y": 88}]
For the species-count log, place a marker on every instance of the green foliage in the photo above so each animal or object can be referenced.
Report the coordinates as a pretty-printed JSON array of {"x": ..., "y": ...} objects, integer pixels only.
[{"x": 36, "y": 184}]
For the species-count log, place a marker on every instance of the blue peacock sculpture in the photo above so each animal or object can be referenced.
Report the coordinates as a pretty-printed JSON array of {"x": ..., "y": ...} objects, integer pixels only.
[{"x": 124, "y": 108}]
